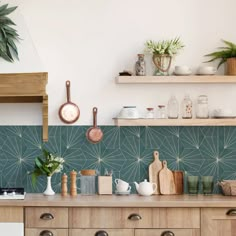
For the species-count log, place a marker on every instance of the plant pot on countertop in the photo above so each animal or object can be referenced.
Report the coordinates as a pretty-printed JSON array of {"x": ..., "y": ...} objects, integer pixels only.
[{"x": 231, "y": 66}]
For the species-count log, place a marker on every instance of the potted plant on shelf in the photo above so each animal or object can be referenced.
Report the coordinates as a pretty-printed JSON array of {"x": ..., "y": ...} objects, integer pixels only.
[
  {"x": 8, "y": 35},
  {"x": 162, "y": 53},
  {"x": 49, "y": 165},
  {"x": 226, "y": 55}
]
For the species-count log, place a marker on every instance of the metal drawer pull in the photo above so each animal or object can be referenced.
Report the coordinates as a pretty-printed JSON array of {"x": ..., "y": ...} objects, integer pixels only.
[
  {"x": 47, "y": 216},
  {"x": 134, "y": 217},
  {"x": 46, "y": 233},
  {"x": 231, "y": 212},
  {"x": 101, "y": 233},
  {"x": 167, "y": 233}
]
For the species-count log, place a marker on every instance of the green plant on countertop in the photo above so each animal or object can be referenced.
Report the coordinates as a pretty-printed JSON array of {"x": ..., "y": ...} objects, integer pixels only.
[
  {"x": 169, "y": 47},
  {"x": 49, "y": 165},
  {"x": 8, "y": 35},
  {"x": 229, "y": 51}
]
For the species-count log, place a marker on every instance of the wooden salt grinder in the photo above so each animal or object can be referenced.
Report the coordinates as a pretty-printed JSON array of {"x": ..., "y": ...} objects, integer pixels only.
[
  {"x": 64, "y": 185},
  {"x": 73, "y": 187}
]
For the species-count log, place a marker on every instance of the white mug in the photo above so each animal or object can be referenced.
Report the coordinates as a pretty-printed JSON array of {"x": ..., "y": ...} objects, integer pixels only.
[{"x": 122, "y": 188}]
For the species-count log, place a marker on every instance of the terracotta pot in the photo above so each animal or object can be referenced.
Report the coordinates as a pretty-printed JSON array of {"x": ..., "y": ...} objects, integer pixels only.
[{"x": 231, "y": 66}]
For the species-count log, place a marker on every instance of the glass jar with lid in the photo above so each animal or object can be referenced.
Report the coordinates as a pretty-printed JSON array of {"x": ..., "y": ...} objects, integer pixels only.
[
  {"x": 150, "y": 113},
  {"x": 187, "y": 107},
  {"x": 202, "y": 107},
  {"x": 161, "y": 112}
]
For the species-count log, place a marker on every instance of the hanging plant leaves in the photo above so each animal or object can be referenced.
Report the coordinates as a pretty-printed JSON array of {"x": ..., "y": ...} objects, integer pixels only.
[{"x": 8, "y": 35}]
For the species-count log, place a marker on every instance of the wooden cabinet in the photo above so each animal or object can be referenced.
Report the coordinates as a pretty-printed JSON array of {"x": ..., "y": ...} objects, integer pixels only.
[
  {"x": 26, "y": 88},
  {"x": 99, "y": 232},
  {"x": 134, "y": 221},
  {"x": 167, "y": 232},
  {"x": 218, "y": 222},
  {"x": 46, "y": 221},
  {"x": 11, "y": 214}
]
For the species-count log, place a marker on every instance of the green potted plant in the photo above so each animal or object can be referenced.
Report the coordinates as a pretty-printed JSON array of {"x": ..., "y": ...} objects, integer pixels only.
[
  {"x": 162, "y": 52},
  {"x": 8, "y": 35},
  {"x": 48, "y": 165},
  {"x": 226, "y": 54}
]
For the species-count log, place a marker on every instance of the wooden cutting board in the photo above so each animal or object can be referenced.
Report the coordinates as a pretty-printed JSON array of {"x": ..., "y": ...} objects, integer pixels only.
[
  {"x": 154, "y": 169},
  {"x": 166, "y": 180}
]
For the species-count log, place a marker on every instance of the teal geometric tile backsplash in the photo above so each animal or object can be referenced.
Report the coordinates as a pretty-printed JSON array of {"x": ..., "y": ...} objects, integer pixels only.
[{"x": 126, "y": 150}]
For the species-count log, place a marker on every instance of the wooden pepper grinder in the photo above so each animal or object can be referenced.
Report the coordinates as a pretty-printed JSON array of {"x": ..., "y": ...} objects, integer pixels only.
[
  {"x": 73, "y": 187},
  {"x": 64, "y": 185}
]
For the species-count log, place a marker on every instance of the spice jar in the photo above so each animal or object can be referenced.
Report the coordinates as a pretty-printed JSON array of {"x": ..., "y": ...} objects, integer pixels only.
[
  {"x": 150, "y": 113},
  {"x": 202, "y": 107},
  {"x": 140, "y": 66},
  {"x": 161, "y": 112},
  {"x": 187, "y": 109}
]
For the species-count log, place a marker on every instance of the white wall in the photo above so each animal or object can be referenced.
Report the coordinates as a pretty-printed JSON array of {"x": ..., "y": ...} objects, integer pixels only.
[{"x": 89, "y": 41}]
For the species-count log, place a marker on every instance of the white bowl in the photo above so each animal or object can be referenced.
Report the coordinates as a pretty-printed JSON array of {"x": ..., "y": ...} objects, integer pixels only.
[{"x": 129, "y": 112}]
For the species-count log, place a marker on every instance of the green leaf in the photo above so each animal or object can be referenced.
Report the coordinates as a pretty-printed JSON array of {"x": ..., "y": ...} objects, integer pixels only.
[
  {"x": 7, "y": 11},
  {"x": 3, "y": 8}
]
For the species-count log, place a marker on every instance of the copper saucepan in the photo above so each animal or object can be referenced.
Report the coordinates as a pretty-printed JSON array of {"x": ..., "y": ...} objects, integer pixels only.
[
  {"x": 69, "y": 112},
  {"x": 94, "y": 134}
]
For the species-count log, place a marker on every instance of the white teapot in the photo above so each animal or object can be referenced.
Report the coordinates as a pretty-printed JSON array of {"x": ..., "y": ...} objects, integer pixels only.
[{"x": 145, "y": 188}]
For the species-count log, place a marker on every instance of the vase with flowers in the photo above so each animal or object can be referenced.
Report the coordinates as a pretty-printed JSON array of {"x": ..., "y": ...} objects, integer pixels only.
[
  {"x": 162, "y": 53},
  {"x": 47, "y": 165}
]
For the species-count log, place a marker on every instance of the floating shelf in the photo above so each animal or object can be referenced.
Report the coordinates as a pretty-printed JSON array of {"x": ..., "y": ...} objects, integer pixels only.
[
  {"x": 175, "y": 122},
  {"x": 192, "y": 79},
  {"x": 26, "y": 88}
]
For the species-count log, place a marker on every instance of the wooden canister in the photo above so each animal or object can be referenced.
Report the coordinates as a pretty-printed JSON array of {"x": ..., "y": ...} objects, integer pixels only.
[
  {"x": 231, "y": 66},
  {"x": 64, "y": 185},
  {"x": 179, "y": 181},
  {"x": 73, "y": 186}
]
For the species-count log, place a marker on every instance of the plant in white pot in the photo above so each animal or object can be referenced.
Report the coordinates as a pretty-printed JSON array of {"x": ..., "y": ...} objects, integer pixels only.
[
  {"x": 226, "y": 54},
  {"x": 8, "y": 35},
  {"x": 163, "y": 52},
  {"x": 48, "y": 165}
]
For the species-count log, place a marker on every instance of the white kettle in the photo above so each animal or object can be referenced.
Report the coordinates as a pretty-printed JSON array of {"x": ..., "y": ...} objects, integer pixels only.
[{"x": 145, "y": 188}]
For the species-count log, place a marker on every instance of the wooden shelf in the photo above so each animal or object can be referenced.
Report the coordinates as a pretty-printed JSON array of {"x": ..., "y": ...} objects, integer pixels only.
[
  {"x": 175, "y": 122},
  {"x": 192, "y": 79},
  {"x": 26, "y": 88}
]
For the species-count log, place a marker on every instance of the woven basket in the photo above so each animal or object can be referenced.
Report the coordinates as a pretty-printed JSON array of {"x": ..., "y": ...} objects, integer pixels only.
[{"x": 228, "y": 187}]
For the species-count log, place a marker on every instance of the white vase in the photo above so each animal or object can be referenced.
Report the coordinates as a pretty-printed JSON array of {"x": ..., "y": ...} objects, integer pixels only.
[{"x": 49, "y": 191}]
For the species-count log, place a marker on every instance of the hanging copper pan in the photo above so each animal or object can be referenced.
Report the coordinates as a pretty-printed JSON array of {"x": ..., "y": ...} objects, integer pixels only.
[
  {"x": 69, "y": 112},
  {"x": 94, "y": 134}
]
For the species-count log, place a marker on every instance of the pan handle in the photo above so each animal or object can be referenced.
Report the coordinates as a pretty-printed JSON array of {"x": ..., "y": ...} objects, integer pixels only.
[
  {"x": 68, "y": 90},
  {"x": 95, "y": 110}
]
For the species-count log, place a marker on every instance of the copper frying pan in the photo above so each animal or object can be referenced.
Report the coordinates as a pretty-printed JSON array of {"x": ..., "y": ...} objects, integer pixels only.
[
  {"x": 69, "y": 112},
  {"x": 94, "y": 134}
]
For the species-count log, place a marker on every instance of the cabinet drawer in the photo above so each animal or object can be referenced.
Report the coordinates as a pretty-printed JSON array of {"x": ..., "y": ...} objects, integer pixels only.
[
  {"x": 110, "y": 218},
  {"x": 11, "y": 214},
  {"x": 43, "y": 217},
  {"x": 110, "y": 232},
  {"x": 46, "y": 232},
  {"x": 161, "y": 232},
  {"x": 134, "y": 218}
]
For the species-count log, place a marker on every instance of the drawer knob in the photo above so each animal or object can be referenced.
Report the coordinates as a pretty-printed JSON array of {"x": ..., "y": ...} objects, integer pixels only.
[
  {"x": 231, "y": 212},
  {"x": 167, "y": 233},
  {"x": 46, "y": 233},
  {"x": 101, "y": 233},
  {"x": 134, "y": 217},
  {"x": 47, "y": 216}
]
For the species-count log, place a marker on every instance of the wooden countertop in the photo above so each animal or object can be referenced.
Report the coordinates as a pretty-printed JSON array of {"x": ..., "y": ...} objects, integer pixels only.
[{"x": 37, "y": 200}]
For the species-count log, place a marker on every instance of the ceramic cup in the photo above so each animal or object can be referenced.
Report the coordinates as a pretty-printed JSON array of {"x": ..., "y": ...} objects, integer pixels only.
[
  {"x": 121, "y": 185},
  {"x": 182, "y": 70},
  {"x": 129, "y": 112},
  {"x": 207, "y": 70}
]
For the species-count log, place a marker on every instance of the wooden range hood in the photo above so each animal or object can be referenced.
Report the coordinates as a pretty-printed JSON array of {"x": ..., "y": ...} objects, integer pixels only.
[{"x": 26, "y": 88}]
